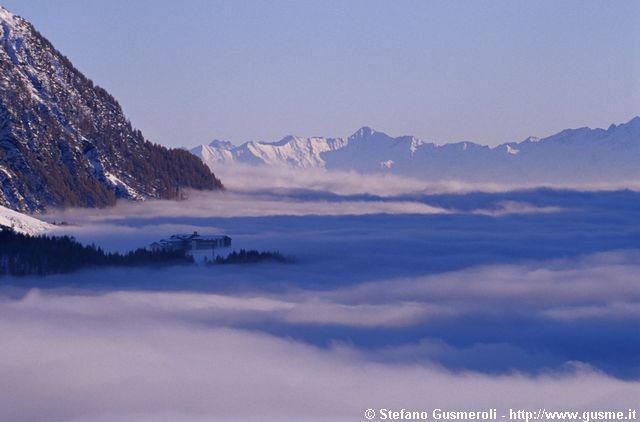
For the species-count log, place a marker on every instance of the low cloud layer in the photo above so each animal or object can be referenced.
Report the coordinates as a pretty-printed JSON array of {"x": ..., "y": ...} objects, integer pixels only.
[
  {"x": 514, "y": 299},
  {"x": 140, "y": 357},
  {"x": 572, "y": 310},
  {"x": 227, "y": 204},
  {"x": 596, "y": 286},
  {"x": 246, "y": 178}
]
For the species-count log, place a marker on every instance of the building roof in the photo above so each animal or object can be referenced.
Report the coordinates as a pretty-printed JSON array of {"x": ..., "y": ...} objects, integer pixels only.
[{"x": 195, "y": 236}]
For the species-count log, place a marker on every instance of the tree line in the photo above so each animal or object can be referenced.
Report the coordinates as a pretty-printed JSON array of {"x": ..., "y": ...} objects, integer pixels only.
[
  {"x": 250, "y": 257},
  {"x": 22, "y": 255}
]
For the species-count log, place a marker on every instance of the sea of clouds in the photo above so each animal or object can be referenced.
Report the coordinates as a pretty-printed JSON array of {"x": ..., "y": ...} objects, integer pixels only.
[
  {"x": 414, "y": 298},
  {"x": 143, "y": 356}
]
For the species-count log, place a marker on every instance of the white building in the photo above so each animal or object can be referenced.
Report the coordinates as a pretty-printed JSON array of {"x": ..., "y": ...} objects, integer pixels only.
[{"x": 199, "y": 246}]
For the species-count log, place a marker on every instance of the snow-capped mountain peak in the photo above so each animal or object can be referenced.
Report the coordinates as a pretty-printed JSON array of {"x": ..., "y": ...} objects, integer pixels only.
[
  {"x": 9, "y": 19},
  {"x": 363, "y": 133},
  {"x": 217, "y": 143},
  {"x": 572, "y": 155},
  {"x": 284, "y": 141},
  {"x": 6, "y": 16}
]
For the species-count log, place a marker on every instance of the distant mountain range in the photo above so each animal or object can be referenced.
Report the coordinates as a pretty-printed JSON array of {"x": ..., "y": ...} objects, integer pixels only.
[
  {"x": 66, "y": 142},
  {"x": 581, "y": 155}
]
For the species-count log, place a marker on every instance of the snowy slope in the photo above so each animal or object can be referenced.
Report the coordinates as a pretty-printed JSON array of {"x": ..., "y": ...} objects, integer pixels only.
[
  {"x": 290, "y": 151},
  {"x": 22, "y": 223},
  {"x": 571, "y": 156}
]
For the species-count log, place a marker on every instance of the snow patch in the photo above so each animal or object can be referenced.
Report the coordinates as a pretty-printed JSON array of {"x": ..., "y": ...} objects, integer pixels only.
[
  {"x": 386, "y": 164},
  {"x": 8, "y": 17},
  {"x": 119, "y": 184},
  {"x": 511, "y": 150},
  {"x": 22, "y": 223},
  {"x": 6, "y": 172},
  {"x": 415, "y": 144}
]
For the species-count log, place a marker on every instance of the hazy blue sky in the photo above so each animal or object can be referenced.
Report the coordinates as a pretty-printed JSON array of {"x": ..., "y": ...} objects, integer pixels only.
[{"x": 492, "y": 71}]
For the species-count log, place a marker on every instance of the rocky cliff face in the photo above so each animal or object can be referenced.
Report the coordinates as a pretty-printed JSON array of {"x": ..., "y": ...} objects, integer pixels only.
[{"x": 66, "y": 142}]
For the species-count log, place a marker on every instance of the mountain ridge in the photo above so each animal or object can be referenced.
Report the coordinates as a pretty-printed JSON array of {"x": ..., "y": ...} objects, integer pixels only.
[
  {"x": 66, "y": 142},
  {"x": 571, "y": 155}
]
